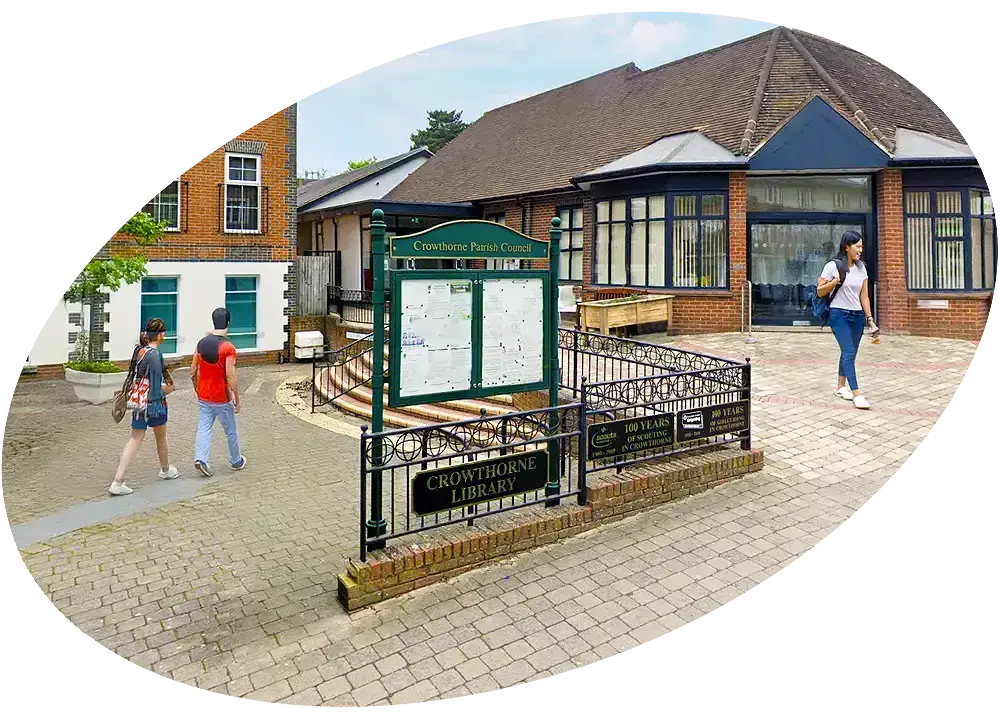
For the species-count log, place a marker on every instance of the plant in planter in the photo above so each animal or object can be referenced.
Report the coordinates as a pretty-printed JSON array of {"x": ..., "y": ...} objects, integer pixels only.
[{"x": 95, "y": 379}]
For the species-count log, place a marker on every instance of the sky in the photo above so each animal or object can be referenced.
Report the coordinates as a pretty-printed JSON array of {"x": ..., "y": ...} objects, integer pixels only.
[{"x": 374, "y": 113}]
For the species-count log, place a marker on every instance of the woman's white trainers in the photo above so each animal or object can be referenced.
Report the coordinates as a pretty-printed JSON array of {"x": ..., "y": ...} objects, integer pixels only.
[
  {"x": 860, "y": 402},
  {"x": 845, "y": 393},
  {"x": 117, "y": 488},
  {"x": 170, "y": 473}
]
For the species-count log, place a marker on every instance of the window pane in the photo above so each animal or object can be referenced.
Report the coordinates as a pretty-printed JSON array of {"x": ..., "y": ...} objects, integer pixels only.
[
  {"x": 918, "y": 252},
  {"x": 657, "y": 207},
  {"x": 950, "y": 265},
  {"x": 159, "y": 284},
  {"x": 241, "y": 283},
  {"x": 976, "y": 203},
  {"x": 563, "y": 266},
  {"x": 987, "y": 204},
  {"x": 249, "y": 170},
  {"x": 564, "y": 239},
  {"x": 713, "y": 205},
  {"x": 618, "y": 210},
  {"x": 603, "y": 254},
  {"x": 577, "y": 239},
  {"x": 639, "y": 208},
  {"x": 826, "y": 193},
  {"x": 948, "y": 202},
  {"x": 657, "y": 256},
  {"x": 602, "y": 212},
  {"x": 165, "y": 206},
  {"x": 713, "y": 253},
  {"x": 618, "y": 276},
  {"x": 242, "y": 311},
  {"x": 685, "y": 240},
  {"x": 989, "y": 254},
  {"x": 638, "y": 258},
  {"x": 948, "y": 227},
  {"x": 564, "y": 217},
  {"x": 243, "y": 341},
  {"x": 576, "y": 266},
  {"x": 918, "y": 202},
  {"x": 685, "y": 206},
  {"x": 236, "y": 168},
  {"x": 577, "y": 218},
  {"x": 976, "y": 252},
  {"x": 242, "y": 204}
]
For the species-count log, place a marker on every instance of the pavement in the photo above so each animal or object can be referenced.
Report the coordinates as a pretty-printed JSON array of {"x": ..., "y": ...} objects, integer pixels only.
[{"x": 229, "y": 584}]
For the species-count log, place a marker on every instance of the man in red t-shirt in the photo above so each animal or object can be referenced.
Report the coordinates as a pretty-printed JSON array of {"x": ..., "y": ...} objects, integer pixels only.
[{"x": 213, "y": 373}]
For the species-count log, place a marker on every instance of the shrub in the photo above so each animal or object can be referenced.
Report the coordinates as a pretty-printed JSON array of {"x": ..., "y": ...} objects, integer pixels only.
[{"x": 94, "y": 366}]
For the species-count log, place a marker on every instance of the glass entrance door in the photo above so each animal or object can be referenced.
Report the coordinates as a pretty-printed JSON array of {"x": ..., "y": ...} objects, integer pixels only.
[{"x": 786, "y": 259}]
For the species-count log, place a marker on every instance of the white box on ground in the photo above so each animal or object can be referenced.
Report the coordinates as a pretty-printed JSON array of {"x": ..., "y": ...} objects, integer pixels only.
[{"x": 308, "y": 344}]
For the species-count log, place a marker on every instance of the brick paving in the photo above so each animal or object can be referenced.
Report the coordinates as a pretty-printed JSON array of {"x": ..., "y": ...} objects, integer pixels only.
[{"x": 235, "y": 589}]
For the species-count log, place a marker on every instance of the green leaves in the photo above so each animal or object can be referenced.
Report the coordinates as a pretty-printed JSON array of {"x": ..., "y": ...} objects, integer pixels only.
[
  {"x": 144, "y": 229},
  {"x": 442, "y": 127},
  {"x": 359, "y": 163}
]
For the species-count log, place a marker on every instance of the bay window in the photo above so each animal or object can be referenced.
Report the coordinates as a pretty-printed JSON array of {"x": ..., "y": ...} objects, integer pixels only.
[
  {"x": 674, "y": 240},
  {"x": 950, "y": 239}
]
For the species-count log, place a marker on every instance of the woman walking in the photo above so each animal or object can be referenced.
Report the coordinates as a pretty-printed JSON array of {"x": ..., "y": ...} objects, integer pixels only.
[
  {"x": 845, "y": 279},
  {"x": 148, "y": 364}
]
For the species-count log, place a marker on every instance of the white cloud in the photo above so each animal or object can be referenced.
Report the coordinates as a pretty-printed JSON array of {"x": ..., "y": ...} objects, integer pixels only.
[{"x": 647, "y": 39}]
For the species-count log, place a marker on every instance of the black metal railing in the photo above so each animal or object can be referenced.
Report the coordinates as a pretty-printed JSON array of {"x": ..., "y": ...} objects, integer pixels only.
[
  {"x": 337, "y": 373},
  {"x": 391, "y": 459},
  {"x": 704, "y": 409},
  {"x": 600, "y": 358},
  {"x": 353, "y": 305}
]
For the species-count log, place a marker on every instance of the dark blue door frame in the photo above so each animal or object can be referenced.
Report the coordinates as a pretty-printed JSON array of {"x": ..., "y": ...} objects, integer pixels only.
[{"x": 866, "y": 220}]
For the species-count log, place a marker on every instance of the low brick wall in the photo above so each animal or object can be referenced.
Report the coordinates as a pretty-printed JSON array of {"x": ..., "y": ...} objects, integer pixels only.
[{"x": 445, "y": 553}]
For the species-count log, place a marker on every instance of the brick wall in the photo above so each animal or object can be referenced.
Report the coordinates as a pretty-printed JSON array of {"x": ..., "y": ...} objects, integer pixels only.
[
  {"x": 893, "y": 303},
  {"x": 203, "y": 239},
  {"x": 965, "y": 317}
]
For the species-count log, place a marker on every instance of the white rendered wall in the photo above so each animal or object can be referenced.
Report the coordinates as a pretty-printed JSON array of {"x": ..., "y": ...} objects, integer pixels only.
[{"x": 349, "y": 243}]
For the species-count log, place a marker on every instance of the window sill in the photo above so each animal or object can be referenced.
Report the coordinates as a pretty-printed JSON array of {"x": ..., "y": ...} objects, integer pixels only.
[
  {"x": 240, "y": 232},
  {"x": 672, "y": 292},
  {"x": 957, "y": 294}
]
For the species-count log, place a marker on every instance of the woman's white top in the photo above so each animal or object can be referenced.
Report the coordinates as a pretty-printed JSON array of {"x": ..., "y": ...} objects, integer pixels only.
[{"x": 849, "y": 294}]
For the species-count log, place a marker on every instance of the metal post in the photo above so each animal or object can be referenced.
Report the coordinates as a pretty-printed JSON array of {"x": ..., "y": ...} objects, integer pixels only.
[
  {"x": 555, "y": 237},
  {"x": 749, "y": 287},
  {"x": 312, "y": 391},
  {"x": 364, "y": 497},
  {"x": 581, "y": 446},
  {"x": 376, "y": 524},
  {"x": 745, "y": 395},
  {"x": 576, "y": 360}
]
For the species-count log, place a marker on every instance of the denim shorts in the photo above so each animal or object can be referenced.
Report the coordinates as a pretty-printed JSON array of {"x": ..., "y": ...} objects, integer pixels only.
[{"x": 140, "y": 423}]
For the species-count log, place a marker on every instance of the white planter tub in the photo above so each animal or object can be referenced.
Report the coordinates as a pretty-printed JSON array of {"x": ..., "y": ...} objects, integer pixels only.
[{"x": 95, "y": 388}]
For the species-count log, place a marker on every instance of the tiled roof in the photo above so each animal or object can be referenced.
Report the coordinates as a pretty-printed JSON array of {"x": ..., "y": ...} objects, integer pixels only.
[
  {"x": 317, "y": 189},
  {"x": 539, "y": 143}
]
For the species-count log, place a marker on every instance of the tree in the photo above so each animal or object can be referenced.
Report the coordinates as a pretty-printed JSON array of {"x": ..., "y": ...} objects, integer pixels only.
[
  {"x": 359, "y": 163},
  {"x": 442, "y": 127},
  {"x": 108, "y": 275}
]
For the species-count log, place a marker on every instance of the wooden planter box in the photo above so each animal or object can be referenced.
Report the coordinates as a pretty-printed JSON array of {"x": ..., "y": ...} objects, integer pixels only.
[{"x": 614, "y": 313}]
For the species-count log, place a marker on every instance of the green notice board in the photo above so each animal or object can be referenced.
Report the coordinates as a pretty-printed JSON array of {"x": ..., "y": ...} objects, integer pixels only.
[{"x": 468, "y": 334}]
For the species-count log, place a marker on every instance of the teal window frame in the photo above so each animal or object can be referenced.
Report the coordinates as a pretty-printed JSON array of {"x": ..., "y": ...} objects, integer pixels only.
[
  {"x": 149, "y": 288},
  {"x": 242, "y": 336}
]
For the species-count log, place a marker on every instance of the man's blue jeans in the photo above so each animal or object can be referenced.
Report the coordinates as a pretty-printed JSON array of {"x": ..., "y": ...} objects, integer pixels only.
[
  {"x": 207, "y": 413},
  {"x": 848, "y": 327}
]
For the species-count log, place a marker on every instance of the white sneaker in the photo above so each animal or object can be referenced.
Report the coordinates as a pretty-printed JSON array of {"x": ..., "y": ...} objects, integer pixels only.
[
  {"x": 170, "y": 473},
  {"x": 860, "y": 402},
  {"x": 845, "y": 393},
  {"x": 117, "y": 488}
]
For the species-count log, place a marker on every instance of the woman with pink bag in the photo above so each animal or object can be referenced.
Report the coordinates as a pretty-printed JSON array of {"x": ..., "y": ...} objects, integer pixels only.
[{"x": 147, "y": 399}]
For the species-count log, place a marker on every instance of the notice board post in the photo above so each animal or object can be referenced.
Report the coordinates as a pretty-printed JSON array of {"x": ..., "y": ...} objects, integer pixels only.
[
  {"x": 555, "y": 238},
  {"x": 376, "y": 524}
]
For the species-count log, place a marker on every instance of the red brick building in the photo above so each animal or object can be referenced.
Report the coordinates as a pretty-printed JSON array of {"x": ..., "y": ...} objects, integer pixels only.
[
  {"x": 231, "y": 241},
  {"x": 737, "y": 170}
]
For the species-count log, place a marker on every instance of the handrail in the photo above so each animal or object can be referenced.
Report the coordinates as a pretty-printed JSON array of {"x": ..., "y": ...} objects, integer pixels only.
[{"x": 747, "y": 290}]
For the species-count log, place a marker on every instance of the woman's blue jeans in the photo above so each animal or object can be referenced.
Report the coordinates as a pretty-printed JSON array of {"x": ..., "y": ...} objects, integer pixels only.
[{"x": 848, "y": 327}]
